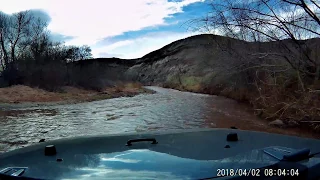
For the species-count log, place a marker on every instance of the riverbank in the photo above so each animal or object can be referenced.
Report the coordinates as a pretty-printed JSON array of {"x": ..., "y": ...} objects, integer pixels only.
[
  {"x": 303, "y": 128},
  {"x": 20, "y": 95}
]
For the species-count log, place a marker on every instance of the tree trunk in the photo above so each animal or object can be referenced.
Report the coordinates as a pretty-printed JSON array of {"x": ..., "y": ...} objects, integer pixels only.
[
  {"x": 317, "y": 77},
  {"x": 5, "y": 54}
]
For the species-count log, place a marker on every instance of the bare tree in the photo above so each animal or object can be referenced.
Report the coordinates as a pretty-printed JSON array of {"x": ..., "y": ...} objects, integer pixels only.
[
  {"x": 12, "y": 30},
  {"x": 39, "y": 46},
  {"x": 85, "y": 52},
  {"x": 295, "y": 63},
  {"x": 1, "y": 61},
  {"x": 76, "y": 53},
  {"x": 3, "y": 34},
  {"x": 266, "y": 20},
  {"x": 28, "y": 55},
  {"x": 272, "y": 20},
  {"x": 19, "y": 29},
  {"x": 36, "y": 40}
]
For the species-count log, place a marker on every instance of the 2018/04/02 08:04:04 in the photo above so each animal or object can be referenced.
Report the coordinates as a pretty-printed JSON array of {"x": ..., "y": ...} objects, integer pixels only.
[{"x": 257, "y": 172}]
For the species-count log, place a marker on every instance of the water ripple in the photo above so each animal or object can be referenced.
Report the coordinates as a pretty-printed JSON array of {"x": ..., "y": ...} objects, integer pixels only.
[{"x": 165, "y": 110}]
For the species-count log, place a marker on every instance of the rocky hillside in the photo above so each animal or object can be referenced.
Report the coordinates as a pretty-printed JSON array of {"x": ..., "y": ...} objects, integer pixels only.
[
  {"x": 203, "y": 59},
  {"x": 193, "y": 63},
  {"x": 202, "y": 63}
]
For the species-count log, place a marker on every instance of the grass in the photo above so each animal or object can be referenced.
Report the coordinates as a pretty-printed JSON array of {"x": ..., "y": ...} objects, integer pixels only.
[
  {"x": 187, "y": 83},
  {"x": 21, "y": 93}
]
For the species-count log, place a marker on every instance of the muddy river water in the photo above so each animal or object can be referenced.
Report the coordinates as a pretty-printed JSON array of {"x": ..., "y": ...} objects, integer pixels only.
[{"x": 166, "y": 109}]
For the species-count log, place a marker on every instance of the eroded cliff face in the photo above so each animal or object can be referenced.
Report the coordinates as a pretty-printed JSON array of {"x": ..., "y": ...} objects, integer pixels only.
[
  {"x": 188, "y": 58},
  {"x": 191, "y": 62}
]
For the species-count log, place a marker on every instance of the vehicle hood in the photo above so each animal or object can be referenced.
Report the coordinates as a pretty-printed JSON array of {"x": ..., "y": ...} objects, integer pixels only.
[
  {"x": 140, "y": 164},
  {"x": 183, "y": 155}
]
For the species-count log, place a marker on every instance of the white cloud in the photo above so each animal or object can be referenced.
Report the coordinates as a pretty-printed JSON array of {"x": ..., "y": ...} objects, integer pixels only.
[
  {"x": 141, "y": 46},
  {"x": 107, "y": 55},
  {"x": 91, "y": 20},
  {"x": 118, "y": 44}
]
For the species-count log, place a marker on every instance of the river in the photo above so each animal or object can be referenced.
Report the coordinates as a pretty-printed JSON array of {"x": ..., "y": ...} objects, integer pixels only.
[{"x": 166, "y": 109}]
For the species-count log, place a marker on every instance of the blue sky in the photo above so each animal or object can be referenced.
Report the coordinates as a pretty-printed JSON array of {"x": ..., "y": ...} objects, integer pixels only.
[{"x": 116, "y": 28}]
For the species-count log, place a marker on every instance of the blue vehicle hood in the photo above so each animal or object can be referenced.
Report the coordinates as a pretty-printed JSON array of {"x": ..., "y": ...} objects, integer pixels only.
[
  {"x": 141, "y": 164},
  {"x": 147, "y": 164},
  {"x": 176, "y": 156}
]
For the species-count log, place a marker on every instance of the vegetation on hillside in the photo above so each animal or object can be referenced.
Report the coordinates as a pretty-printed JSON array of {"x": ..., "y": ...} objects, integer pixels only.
[
  {"x": 66, "y": 94},
  {"x": 281, "y": 85}
]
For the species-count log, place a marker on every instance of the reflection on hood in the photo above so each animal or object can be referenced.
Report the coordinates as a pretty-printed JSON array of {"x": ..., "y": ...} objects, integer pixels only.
[{"x": 146, "y": 164}]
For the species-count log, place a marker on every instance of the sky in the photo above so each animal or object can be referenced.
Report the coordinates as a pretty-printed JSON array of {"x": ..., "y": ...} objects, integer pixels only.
[{"x": 115, "y": 28}]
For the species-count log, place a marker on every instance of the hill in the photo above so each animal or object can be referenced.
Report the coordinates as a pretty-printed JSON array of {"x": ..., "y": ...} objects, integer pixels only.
[
  {"x": 204, "y": 56},
  {"x": 278, "y": 78}
]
